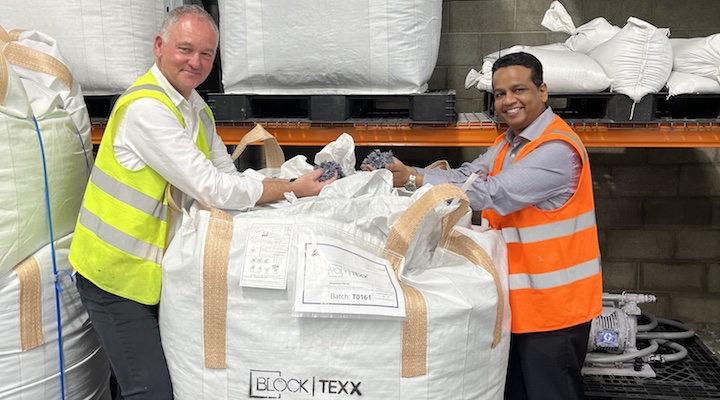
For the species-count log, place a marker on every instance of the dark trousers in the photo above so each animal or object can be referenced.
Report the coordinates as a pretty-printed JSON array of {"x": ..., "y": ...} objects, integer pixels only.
[
  {"x": 547, "y": 365},
  {"x": 130, "y": 335}
]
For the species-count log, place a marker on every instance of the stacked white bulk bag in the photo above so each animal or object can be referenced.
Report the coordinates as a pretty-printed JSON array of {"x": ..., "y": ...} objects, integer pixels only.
[
  {"x": 44, "y": 132},
  {"x": 29, "y": 351},
  {"x": 227, "y": 334},
  {"x": 564, "y": 71},
  {"x": 46, "y": 152},
  {"x": 638, "y": 59},
  {"x": 339, "y": 47},
  {"x": 108, "y": 44}
]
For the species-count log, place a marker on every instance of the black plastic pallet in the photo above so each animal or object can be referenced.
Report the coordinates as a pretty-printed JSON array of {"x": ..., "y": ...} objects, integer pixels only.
[
  {"x": 100, "y": 107},
  {"x": 696, "y": 377},
  {"x": 428, "y": 107},
  {"x": 616, "y": 107}
]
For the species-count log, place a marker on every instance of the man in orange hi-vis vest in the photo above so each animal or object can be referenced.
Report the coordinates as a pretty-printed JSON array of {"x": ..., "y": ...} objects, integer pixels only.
[{"x": 534, "y": 185}]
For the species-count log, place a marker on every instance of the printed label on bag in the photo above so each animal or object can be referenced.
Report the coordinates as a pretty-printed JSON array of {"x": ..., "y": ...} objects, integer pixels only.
[
  {"x": 335, "y": 277},
  {"x": 266, "y": 259},
  {"x": 273, "y": 385}
]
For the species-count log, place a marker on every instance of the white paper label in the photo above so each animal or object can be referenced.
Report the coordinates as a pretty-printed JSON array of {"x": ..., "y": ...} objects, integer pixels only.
[
  {"x": 266, "y": 259},
  {"x": 335, "y": 277}
]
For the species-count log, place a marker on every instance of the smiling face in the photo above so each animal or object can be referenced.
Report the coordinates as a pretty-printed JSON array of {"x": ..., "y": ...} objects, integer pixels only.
[
  {"x": 186, "y": 55},
  {"x": 517, "y": 99}
]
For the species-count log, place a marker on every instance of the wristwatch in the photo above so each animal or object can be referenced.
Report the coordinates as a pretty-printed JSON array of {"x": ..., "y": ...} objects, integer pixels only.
[{"x": 411, "y": 184}]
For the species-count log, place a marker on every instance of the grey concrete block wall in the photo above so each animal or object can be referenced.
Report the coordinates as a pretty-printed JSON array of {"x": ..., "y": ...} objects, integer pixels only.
[
  {"x": 658, "y": 224},
  {"x": 658, "y": 209}
]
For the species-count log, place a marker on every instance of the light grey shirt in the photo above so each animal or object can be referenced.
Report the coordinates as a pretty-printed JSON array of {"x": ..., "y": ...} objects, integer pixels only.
[{"x": 545, "y": 178}]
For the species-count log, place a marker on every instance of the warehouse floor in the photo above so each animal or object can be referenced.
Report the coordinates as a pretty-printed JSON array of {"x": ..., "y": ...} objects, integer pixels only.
[{"x": 709, "y": 334}]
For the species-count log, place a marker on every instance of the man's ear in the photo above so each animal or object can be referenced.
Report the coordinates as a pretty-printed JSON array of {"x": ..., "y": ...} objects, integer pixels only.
[
  {"x": 543, "y": 92},
  {"x": 157, "y": 45}
]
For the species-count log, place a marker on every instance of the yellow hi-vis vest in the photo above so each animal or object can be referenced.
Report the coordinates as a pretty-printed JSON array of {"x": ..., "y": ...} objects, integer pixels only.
[{"x": 122, "y": 229}]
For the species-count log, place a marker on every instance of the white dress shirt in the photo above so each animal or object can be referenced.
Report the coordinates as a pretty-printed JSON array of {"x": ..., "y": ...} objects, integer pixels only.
[{"x": 150, "y": 135}]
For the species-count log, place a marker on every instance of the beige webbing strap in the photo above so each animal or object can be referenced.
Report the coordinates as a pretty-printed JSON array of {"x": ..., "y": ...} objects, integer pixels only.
[
  {"x": 4, "y": 36},
  {"x": 274, "y": 156},
  {"x": 172, "y": 204},
  {"x": 15, "y": 34},
  {"x": 215, "y": 263},
  {"x": 441, "y": 164},
  {"x": 415, "y": 329},
  {"x": 414, "y": 340},
  {"x": 31, "y": 332},
  {"x": 3, "y": 78},
  {"x": 468, "y": 248},
  {"x": 36, "y": 60},
  {"x": 404, "y": 229}
]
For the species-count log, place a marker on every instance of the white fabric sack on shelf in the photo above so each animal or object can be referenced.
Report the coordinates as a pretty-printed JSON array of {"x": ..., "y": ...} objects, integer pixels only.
[
  {"x": 582, "y": 39},
  {"x": 29, "y": 352},
  {"x": 638, "y": 59},
  {"x": 698, "y": 56},
  {"x": 65, "y": 154},
  {"x": 259, "y": 346},
  {"x": 683, "y": 83},
  {"x": 341, "y": 47},
  {"x": 108, "y": 44},
  {"x": 564, "y": 71}
]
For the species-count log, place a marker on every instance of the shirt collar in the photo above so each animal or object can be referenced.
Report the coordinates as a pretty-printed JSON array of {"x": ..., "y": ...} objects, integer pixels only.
[
  {"x": 195, "y": 100},
  {"x": 536, "y": 128}
]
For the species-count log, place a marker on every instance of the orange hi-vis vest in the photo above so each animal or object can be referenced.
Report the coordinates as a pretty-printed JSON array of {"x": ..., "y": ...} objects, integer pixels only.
[{"x": 553, "y": 255}]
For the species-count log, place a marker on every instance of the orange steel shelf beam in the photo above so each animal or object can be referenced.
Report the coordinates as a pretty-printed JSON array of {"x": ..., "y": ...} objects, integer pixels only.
[{"x": 660, "y": 134}]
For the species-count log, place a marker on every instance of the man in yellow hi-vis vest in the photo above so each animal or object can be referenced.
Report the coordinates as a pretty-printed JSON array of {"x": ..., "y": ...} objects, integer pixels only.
[
  {"x": 534, "y": 185},
  {"x": 160, "y": 131}
]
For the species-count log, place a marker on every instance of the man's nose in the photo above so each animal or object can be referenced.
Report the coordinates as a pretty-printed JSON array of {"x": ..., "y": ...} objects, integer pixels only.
[{"x": 194, "y": 60}]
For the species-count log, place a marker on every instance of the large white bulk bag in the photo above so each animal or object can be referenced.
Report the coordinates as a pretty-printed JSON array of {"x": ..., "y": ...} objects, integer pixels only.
[
  {"x": 108, "y": 44},
  {"x": 29, "y": 352},
  {"x": 697, "y": 56},
  {"x": 564, "y": 71},
  {"x": 226, "y": 337},
  {"x": 336, "y": 47},
  {"x": 38, "y": 139},
  {"x": 638, "y": 59}
]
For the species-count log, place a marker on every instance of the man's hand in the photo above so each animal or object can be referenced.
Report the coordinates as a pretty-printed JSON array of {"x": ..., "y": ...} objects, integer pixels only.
[
  {"x": 401, "y": 172},
  {"x": 308, "y": 184},
  {"x": 302, "y": 186}
]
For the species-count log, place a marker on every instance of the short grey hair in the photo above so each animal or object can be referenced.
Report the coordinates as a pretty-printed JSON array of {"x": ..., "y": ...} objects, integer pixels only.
[{"x": 176, "y": 13}]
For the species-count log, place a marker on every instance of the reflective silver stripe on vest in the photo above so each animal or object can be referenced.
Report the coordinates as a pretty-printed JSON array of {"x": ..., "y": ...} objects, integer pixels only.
[
  {"x": 549, "y": 231},
  {"x": 146, "y": 86},
  {"x": 121, "y": 240},
  {"x": 555, "y": 279},
  {"x": 128, "y": 195},
  {"x": 576, "y": 140}
]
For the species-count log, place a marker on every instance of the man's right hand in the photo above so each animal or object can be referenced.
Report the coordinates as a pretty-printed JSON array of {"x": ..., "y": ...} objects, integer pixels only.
[{"x": 308, "y": 184}]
